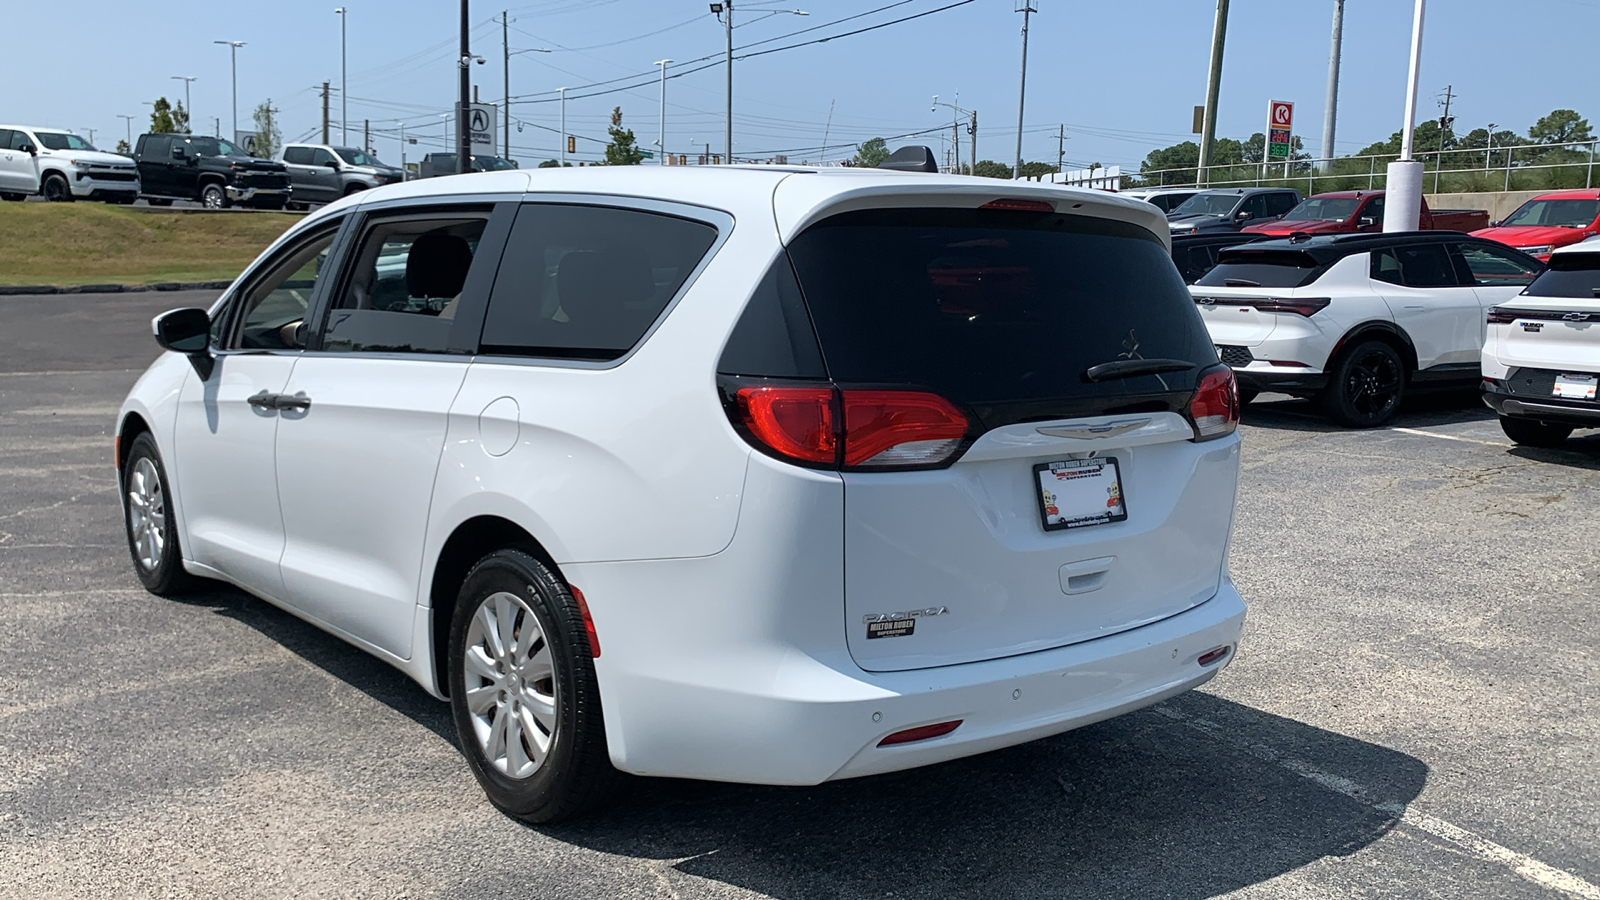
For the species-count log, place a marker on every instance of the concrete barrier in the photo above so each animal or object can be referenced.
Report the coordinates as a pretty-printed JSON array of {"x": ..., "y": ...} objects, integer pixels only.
[{"x": 1499, "y": 203}]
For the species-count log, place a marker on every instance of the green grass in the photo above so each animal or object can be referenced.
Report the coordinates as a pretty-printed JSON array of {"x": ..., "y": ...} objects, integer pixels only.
[{"x": 93, "y": 243}]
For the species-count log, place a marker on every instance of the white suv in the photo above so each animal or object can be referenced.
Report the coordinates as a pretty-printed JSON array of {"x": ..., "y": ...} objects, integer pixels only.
[
  {"x": 60, "y": 166},
  {"x": 1356, "y": 321},
  {"x": 1541, "y": 361},
  {"x": 768, "y": 474}
]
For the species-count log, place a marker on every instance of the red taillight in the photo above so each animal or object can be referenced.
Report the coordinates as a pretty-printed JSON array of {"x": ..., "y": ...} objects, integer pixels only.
[
  {"x": 1498, "y": 316},
  {"x": 899, "y": 428},
  {"x": 588, "y": 621},
  {"x": 1020, "y": 205},
  {"x": 794, "y": 421},
  {"x": 880, "y": 429},
  {"x": 1215, "y": 407},
  {"x": 1300, "y": 306},
  {"x": 921, "y": 733}
]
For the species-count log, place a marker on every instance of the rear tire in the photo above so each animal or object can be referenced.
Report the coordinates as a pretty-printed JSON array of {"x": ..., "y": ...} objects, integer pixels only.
[
  {"x": 55, "y": 189},
  {"x": 527, "y": 715},
  {"x": 1533, "y": 433},
  {"x": 150, "y": 524},
  {"x": 1365, "y": 385}
]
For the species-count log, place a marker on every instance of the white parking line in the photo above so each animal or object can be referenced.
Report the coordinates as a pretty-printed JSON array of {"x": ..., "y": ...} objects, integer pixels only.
[
  {"x": 1542, "y": 874},
  {"x": 1451, "y": 437}
]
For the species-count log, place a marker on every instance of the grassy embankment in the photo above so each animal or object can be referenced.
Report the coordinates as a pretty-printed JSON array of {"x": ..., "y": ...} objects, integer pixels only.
[{"x": 93, "y": 243}]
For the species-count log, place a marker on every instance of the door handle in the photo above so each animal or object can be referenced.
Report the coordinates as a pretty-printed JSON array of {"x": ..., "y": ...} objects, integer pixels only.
[
  {"x": 1085, "y": 575},
  {"x": 263, "y": 400},
  {"x": 299, "y": 401}
]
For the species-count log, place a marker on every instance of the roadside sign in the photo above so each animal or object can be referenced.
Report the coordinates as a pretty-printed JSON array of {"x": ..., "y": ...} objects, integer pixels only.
[
  {"x": 1199, "y": 119},
  {"x": 1280, "y": 128},
  {"x": 246, "y": 141},
  {"x": 481, "y": 124}
]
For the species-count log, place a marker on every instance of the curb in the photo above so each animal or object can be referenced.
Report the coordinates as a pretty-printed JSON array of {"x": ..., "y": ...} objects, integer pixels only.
[{"x": 16, "y": 290}]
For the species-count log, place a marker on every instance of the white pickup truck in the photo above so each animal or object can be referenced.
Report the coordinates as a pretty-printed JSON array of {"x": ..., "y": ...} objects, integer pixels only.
[{"x": 60, "y": 166}]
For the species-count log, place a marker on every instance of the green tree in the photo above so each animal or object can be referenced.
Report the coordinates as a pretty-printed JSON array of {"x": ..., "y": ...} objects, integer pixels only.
[
  {"x": 871, "y": 153},
  {"x": 180, "y": 118},
  {"x": 268, "y": 137},
  {"x": 1561, "y": 126},
  {"x": 1037, "y": 170},
  {"x": 123, "y": 148},
  {"x": 161, "y": 117},
  {"x": 553, "y": 164},
  {"x": 988, "y": 168},
  {"x": 623, "y": 149}
]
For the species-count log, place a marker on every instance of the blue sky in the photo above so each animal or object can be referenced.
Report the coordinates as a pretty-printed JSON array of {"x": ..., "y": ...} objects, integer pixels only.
[{"x": 1122, "y": 77}]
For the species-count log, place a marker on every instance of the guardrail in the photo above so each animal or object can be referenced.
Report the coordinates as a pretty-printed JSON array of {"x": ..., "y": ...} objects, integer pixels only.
[{"x": 1526, "y": 167}]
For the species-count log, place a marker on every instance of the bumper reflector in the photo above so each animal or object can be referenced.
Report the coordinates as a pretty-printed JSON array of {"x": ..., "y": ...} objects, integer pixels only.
[
  {"x": 921, "y": 733},
  {"x": 1211, "y": 656}
]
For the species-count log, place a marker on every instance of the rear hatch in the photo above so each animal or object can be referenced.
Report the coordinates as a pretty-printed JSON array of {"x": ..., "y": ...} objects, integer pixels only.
[
  {"x": 1244, "y": 298},
  {"x": 1066, "y": 502},
  {"x": 1553, "y": 327}
]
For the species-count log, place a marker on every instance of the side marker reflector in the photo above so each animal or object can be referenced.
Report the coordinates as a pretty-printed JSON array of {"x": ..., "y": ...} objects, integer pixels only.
[{"x": 921, "y": 733}]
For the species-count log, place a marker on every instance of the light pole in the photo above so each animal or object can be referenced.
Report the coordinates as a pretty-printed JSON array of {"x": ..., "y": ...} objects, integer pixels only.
[
  {"x": 1404, "y": 184},
  {"x": 955, "y": 127},
  {"x": 187, "y": 109},
  {"x": 1330, "y": 112},
  {"x": 661, "y": 134},
  {"x": 1490, "y": 150},
  {"x": 233, "y": 53},
  {"x": 344, "y": 80},
  {"x": 128, "y": 121},
  {"x": 444, "y": 119},
  {"x": 1026, "y": 8},
  {"x": 563, "y": 160},
  {"x": 1208, "y": 123},
  {"x": 724, "y": 11},
  {"x": 507, "y": 111}
]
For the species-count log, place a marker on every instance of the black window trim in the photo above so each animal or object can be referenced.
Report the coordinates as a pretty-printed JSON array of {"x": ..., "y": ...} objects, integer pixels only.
[
  {"x": 720, "y": 220},
  {"x": 474, "y": 294},
  {"x": 1495, "y": 248},
  {"x": 1457, "y": 265},
  {"x": 228, "y": 304}
]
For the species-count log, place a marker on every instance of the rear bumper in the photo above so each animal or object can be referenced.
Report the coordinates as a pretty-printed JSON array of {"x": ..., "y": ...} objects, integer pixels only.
[
  {"x": 1280, "y": 380},
  {"x": 1559, "y": 412},
  {"x": 774, "y": 715}
]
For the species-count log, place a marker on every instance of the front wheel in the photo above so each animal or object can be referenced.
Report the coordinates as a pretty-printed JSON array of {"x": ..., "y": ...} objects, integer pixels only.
[
  {"x": 147, "y": 516},
  {"x": 523, "y": 691},
  {"x": 56, "y": 189},
  {"x": 212, "y": 196},
  {"x": 1533, "y": 433},
  {"x": 1365, "y": 385}
]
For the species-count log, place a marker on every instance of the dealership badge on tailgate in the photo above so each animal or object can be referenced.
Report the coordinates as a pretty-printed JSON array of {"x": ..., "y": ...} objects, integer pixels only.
[{"x": 899, "y": 624}]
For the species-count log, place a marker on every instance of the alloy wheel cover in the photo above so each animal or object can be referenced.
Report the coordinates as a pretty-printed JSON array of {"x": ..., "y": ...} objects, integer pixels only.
[{"x": 511, "y": 691}]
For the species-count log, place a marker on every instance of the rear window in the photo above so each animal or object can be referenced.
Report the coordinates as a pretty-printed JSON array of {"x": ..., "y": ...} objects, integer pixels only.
[
  {"x": 993, "y": 306},
  {"x": 1569, "y": 275},
  {"x": 1263, "y": 268}
]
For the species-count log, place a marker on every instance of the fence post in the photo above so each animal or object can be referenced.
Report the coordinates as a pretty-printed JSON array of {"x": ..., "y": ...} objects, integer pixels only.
[
  {"x": 1588, "y": 180},
  {"x": 1510, "y": 151}
]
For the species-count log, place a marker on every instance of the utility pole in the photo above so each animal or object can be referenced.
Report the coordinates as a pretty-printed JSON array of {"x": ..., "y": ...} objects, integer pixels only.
[
  {"x": 464, "y": 101},
  {"x": 727, "y": 21},
  {"x": 128, "y": 121},
  {"x": 1208, "y": 127},
  {"x": 1444, "y": 124},
  {"x": 1026, "y": 8},
  {"x": 216, "y": 126},
  {"x": 91, "y": 134},
  {"x": 505, "y": 50},
  {"x": 324, "y": 112},
  {"x": 563, "y": 93},
  {"x": 366, "y": 135},
  {"x": 1331, "y": 108},
  {"x": 1404, "y": 184},
  {"x": 972, "y": 136},
  {"x": 405, "y": 174},
  {"x": 344, "y": 81},
  {"x": 1061, "y": 146},
  {"x": 661, "y": 134},
  {"x": 187, "y": 80},
  {"x": 233, "y": 53}
]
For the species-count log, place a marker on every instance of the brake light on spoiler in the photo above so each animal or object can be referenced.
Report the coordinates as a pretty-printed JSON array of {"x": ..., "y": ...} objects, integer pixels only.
[{"x": 831, "y": 427}]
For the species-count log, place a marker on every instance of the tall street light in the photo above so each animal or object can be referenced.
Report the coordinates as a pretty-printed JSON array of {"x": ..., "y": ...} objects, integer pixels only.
[
  {"x": 233, "y": 53},
  {"x": 724, "y": 10},
  {"x": 344, "y": 80},
  {"x": 1026, "y": 8},
  {"x": 507, "y": 110},
  {"x": 1403, "y": 187},
  {"x": 661, "y": 134},
  {"x": 563, "y": 92},
  {"x": 955, "y": 129},
  {"x": 464, "y": 101},
  {"x": 128, "y": 121},
  {"x": 187, "y": 80}
]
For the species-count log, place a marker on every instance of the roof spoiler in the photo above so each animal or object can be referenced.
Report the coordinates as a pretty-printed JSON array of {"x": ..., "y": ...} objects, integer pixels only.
[{"x": 911, "y": 159}]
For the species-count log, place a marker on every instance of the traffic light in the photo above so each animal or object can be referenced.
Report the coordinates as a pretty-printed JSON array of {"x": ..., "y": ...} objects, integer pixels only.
[{"x": 572, "y": 144}]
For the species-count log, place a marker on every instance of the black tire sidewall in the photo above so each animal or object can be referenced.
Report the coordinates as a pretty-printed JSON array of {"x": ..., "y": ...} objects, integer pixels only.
[
  {"x": 1338, "y": 405},
  {"x": 168, "y": 576},
  {"x": 222, "y": 196},
  {"x": 578, "y": 761},
  {"x": 58, "y": 185}
]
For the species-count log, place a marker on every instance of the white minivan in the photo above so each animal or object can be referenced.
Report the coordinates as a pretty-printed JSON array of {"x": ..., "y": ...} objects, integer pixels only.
[{"x": 766, "y": 474}]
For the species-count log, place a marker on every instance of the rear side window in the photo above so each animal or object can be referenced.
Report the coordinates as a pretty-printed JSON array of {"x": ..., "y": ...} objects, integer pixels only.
[
  {"x": 157, "y": 145},
  {"x": 587, "y": 282},
  {"x": 1489, "y": 265},
  {"x": 1574, "y": 275},
  {"x": 1263, "y": 268},
  {"x": 1280, "y": 203},
  {"x": 1415, "y": 265},
  {"x": 299, "y": 156},
  {"x": 774, "y": 337},
  {"x": 989, "y": 307}
]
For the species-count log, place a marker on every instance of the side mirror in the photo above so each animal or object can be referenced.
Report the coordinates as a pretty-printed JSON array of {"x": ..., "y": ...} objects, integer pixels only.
[
  {"x": 1367, "y": 221},
  {"x": 177, "y": 152},
  {"x": 1242, "y": 217},
  {"x": 1495, "y": 223},
  {"x": 30, "y": 149},
  {"x": 186, "y": 331},
  {"x": 332, "y": 164}
]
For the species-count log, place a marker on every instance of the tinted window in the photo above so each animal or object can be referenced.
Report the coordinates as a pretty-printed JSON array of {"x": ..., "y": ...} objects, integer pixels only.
[
  {"x": 56, "y": 140},
  {"x": 1416, "y": 265},
  {"x": 5, "y": 139},
  {"x": 1207, "y": 204},
  {"x": 275, "y": 302},
  {"x": 1374, "y": 211},
  {"x": 1577, "y": 213},
  {"x": 404, "y": 285},
  {"x": 321, "y": 157},
  {"x": 1490, "y": 265},
  {"x": 1570, "y": 275},
  {"x": 1263, "y": 268},
  {"x": 586, "y": 282},
  {"x": 299, "y": 156},
  {"x": 992, "y": 306},
  {"x": 1256, "y": 206},
  {"x": 19, "y": 139},
  {"x": 1325, "y": 209},
  {"x": 1280, "y": 203},
  {"x": 774, "y": 337}
]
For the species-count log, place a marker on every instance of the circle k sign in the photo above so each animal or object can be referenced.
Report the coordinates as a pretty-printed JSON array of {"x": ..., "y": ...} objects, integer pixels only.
[{"x": 1281, "y": 113}]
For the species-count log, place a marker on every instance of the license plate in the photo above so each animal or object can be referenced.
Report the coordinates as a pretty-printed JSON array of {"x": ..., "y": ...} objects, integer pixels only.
[
  {"x": 1574, "y": 387},
  {"x": 1076, "y": 493}
]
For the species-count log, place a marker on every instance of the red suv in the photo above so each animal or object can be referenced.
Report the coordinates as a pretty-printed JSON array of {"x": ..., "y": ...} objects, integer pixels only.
[{"x": 1548, "y": 221}]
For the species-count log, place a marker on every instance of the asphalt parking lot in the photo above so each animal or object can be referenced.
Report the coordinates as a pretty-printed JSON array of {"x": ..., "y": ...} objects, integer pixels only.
[{"x": 1412, "y": 714}]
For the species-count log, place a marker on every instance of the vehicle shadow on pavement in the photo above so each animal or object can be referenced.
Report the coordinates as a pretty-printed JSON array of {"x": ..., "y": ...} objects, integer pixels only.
[
  {"x": 1581, "y": 451},
  {"x": 1280, "y": 412},
  {"x": 1194, "y": 798}
]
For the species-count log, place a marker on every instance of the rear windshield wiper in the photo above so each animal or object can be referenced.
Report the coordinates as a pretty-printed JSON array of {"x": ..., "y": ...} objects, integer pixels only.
[
  {"x": 1130, "y": 368},
  {"x": 1240, "y": 282}
]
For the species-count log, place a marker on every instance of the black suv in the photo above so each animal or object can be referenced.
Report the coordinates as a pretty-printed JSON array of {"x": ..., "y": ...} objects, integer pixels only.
[
  {"x": 208, "y": 170},
  {"x": 1215, "y": 211}
]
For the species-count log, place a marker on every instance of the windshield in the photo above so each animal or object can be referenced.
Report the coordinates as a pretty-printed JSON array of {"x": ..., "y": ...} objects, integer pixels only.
[
  {"x": 1560, "y": 213},
  {"x": 1325, "y": 209},
  {"x": 1570, "y": 275},
  {"x": 1207, "y": 205},
  {"x": 56, "y": 140},
  {"x": 356, "y": 157},
  {"x": 210, "y": 146},
  {"x": 491, "y": 164}
]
